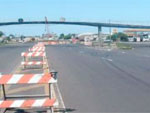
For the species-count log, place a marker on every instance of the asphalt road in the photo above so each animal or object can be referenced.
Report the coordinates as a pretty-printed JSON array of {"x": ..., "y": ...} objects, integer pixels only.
[
  {"x": 94, "y": 80},
  {"x": 10, "y": 57},
  {"x": 102, "y": 81}
]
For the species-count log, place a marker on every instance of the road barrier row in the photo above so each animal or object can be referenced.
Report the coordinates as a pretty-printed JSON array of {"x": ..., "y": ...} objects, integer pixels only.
[
  {"x": 57, "y": 42},
  {"x": 33, "y": 63},
  {"x": 33, "y": 54},
  {"x": 28, "y": 103},
  {"x": 27, "y": 79},
  {"x": 37, "y": 50}
]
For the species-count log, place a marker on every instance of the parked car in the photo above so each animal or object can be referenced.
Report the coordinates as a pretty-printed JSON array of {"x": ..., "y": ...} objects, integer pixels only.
[{"x": 146, "y": 39}]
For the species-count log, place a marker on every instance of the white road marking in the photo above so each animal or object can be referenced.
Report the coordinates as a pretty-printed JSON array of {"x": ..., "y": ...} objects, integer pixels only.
[
  {"x": 108, "y": 59},
  {"x": 60, "y": 96},
  {"x": 57, "y": 88},
  {"x": 108, "y": 49}
]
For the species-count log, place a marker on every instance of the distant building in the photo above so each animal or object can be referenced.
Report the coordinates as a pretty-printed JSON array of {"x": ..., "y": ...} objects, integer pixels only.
[
  {"x": 1, "y": 39},
  {"x": 52, "y": 36},
  {"x": 138, "y": 34},
  {"x": 89, "y": 38}
]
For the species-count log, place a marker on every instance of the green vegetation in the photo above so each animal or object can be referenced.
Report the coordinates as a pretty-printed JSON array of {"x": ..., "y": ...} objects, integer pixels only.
[
  {"x": 4, "y": 40},
  {"x": 61, "y": 36},
  {"x": 1, "y": 33},
  {"x": 66, "y": 37},
  {"x": 118, "y": 37},
  {"x": 1, "y": 43},
  {"x": 1, "y": 40},
  {"x": 123, "y": 46}
]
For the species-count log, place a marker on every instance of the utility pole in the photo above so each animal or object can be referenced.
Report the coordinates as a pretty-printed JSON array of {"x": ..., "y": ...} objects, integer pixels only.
[
  {"x": 110, "y": 33},
  {"x": 99, "y": 35},
  {"x": 47, "y": 28}
]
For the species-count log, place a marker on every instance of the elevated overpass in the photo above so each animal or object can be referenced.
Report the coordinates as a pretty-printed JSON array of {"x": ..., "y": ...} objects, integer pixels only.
[{"x": 92, "y": 24}]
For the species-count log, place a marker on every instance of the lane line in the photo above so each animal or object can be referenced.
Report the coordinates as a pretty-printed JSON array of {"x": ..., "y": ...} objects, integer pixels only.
[
  {"x": 108, "y": 59},
  {"x": 57, "y": 88}
]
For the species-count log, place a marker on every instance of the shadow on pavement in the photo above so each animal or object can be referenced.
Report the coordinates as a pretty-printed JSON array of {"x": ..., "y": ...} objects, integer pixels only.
[
  {"x": 62, "y": 110},
  {"x": 13, "y": 110}
]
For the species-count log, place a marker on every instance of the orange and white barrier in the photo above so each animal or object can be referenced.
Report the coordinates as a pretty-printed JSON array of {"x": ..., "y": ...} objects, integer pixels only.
[
  {"x": 33, "y": 63},
  {"x": 28, "y": 103},
  {"x": 27, "y": 79},
  {"x": 39, "y": 45},
  {"x": 37, "y": 49},
  {"x": 33, "y": 54},
  {"x": 13, "y": 79}
]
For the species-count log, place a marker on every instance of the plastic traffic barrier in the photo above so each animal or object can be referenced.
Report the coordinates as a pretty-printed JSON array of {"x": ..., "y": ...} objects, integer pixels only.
[
  {"x": 37, "y": 49},
  {"x": 45, "y": 102},
  {"x": 33, "y": 63},
  {"x": 27, "y": 79},
  {"x": 33, "y": 54}
]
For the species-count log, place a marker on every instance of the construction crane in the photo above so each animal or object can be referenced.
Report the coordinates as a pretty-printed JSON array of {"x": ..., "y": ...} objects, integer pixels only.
[{"x": 47, "y": 29}]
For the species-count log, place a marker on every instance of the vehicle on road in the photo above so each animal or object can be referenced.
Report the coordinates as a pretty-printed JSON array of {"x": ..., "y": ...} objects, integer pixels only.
[{"x": 146, "y": 39}]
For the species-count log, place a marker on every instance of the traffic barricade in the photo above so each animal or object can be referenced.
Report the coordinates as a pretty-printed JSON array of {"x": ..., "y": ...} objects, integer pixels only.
[
  {"x": 37, "y": 49},
  {"x": 26, "y": 55},
  {"x": 32, "y": 101},
  {"x": 33, "y": 54},
  {"x": 33, "y": 63}
]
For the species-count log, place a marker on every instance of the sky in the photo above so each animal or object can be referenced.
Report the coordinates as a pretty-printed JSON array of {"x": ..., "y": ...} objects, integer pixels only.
[{"x": 122, "y": 11}]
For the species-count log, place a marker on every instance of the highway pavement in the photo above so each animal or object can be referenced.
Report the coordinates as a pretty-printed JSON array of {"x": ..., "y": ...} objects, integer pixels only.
[
  {"x": 92, "y": 80},
  {"x": 102, "y": 80},
  {"x": 10, "y": 64},
  {"x": 10, "y": 57}
]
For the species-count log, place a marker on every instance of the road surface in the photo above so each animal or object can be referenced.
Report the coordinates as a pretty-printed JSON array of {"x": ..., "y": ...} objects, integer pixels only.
[
  {"x": 93, "y": 80},
  {"x": 10, "y": 57},
  {"x": 102, "y": 81}
]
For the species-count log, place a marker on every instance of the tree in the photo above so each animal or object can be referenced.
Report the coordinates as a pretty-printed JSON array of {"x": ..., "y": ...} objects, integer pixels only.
[
  {"x": 11, "y": 36},
  {"x": 68, "y": 36},
  {"x": 8, "y": 38},
  {"x": 123, "y": 37},
  {"x": 1, "y": 33},
  {"x": 119, "y": 36},
  {"x": 61, "y": 36}
]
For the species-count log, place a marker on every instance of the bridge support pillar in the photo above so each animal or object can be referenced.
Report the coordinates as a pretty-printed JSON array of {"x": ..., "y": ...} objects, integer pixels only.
[{"x": 99, "y": 35}]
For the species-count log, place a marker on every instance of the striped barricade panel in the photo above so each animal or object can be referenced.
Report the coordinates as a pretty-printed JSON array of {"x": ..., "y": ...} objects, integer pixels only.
[
  {"x": 33, "y": 54},
  {"x": 29, "y": 103},
  {"x": 39, "y": 45},
  {"x": 36, "y": 46},
  {"x": 27, "y": 79},
  {"x": 33, "y": 63},
  {"x": 37, "y": 49}
]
